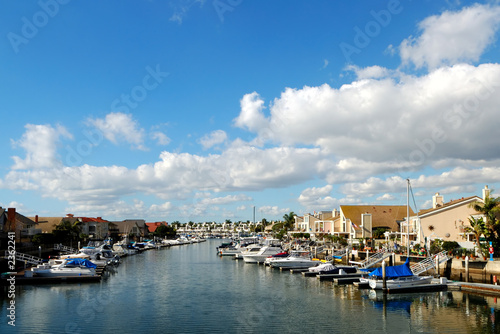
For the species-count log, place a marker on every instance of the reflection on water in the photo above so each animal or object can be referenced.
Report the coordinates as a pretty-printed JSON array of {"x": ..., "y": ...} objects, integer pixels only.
[{"x": 188, "y": 289}]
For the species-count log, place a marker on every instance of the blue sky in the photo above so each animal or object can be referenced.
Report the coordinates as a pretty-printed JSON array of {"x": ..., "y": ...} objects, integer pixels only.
[{"x": 200, "y": 110}]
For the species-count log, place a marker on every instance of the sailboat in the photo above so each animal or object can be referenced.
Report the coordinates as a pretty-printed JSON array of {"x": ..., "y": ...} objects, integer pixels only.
[
  {"x": 396, "y": 277},
  {"x": 399, "y": 276}
]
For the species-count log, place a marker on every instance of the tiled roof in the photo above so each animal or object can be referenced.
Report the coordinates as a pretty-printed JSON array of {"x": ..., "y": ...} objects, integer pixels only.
[
  {"x": 382, "y": 215},
  {"x": 153, "y": 226}
]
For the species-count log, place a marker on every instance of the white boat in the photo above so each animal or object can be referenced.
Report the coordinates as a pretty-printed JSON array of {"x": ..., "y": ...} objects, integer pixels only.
[
  {"x": 270, "y": 248},
  {"x": 330, "y": 268},
  {"x": 397, "y": 277},
  {"x": 239, "y": 247},
  {"x": 296, "y": 259},
  {"x": 248, "y": 250},
  {"x": 400, "y": 282},
  {"x": 68, "y": 268}
]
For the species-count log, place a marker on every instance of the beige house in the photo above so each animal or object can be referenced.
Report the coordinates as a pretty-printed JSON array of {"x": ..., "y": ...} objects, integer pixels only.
[
  {"x": 319, "y": 222},
  {"x": 359, "y": 221},
  {"x": 448, "y": 221}
]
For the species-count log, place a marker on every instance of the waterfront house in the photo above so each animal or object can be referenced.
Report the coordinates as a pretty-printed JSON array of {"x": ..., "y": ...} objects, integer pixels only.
[
  {"x": 359, "y": 221},
  {"x": 48, "y": 224},
  {"x": 95, "y": 228},
  {"x": 448, "y": 221},
  {"x": 321, "y": 222},
  {"x": 12, "y": 221},
  {"x": 135, "y": 228}
]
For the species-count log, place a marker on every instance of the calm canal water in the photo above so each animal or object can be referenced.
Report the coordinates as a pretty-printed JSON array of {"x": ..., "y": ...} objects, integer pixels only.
[{"x": 189, "y": 289}]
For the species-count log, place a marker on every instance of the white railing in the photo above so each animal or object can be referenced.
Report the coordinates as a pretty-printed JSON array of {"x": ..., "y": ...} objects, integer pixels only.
[
  {"x": 374, "y": 259},
  {"x": 429, "y": 263},
  {"x": 65, "y": 249},
  {"x": 26, "y": 258}
]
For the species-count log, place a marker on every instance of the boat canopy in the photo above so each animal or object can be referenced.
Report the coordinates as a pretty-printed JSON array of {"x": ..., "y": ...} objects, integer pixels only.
[
  {"x": 394, "y": 271},
  {"x": 81, "y": 263}
]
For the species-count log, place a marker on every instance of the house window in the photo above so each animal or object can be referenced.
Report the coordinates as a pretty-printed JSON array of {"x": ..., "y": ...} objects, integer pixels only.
[{"x": 91, "y": 229}]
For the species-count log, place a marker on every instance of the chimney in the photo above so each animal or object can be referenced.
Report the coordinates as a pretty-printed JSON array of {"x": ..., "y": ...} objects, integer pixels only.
[
  {"x": 36, "y": 218},
  {"x": 486, "y": 192},
  {"x": 437, "y": 201},
  {"x": 11, "y": 218}
]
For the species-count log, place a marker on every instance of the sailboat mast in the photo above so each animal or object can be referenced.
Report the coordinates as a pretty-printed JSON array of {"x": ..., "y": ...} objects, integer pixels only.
[{"x": 408, "y": 218}]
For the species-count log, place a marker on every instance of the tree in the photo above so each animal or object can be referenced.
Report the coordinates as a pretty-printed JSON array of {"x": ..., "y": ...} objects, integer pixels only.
[
  {"x": 478, "y": 228},
  {"x": 163, "y": 231},
  {"x": 489, "y": 208},
  {"x": 67, "y": 230},
  {"x": 289, "y": 220},
  {"x": 378, "y": 232}
]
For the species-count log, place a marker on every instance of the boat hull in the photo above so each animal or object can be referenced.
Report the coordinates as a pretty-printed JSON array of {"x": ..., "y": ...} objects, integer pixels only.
[{"x": 400, "y": 282}]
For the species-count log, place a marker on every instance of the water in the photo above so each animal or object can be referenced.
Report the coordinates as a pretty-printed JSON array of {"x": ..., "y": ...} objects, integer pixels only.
[{"x": 188, "y": 289}]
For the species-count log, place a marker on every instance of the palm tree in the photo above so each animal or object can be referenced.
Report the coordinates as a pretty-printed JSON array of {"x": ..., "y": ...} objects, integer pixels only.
[
  {"x": 289, "y": 220},
  {"x": 489, "y": 207},
  {"x": 67, "y": 230},
  {"x": 478, "y": 228}
]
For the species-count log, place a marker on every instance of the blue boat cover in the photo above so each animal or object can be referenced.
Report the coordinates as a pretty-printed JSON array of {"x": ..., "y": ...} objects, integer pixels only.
[
  {"x": 394, "y": 271},
  {"x": 81, "y": 262}
]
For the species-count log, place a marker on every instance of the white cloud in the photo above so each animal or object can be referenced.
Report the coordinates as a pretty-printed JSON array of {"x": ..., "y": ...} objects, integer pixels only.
[
  {"x": 452, "y": 37},
  {"x": 40, "y": 144},
  {"x": 273, "y": 210},
  {"x": 318, "y": 198},
  {"x": 371, "y": 72},
  {"x": 118, "y": 127},
  {"x": 160, "y": 138},
  {"x": 225, "y": 200},
  {"x": 409, "y": 121},
  {"x": 214, "y": 138},
  {"x": 251, "y": 115},
  {"x": 386, "y": 197}
]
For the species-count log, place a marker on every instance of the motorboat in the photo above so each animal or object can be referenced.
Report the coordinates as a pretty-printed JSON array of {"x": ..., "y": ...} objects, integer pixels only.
[
  {"x": 296, "y": 259},
  {"x": 329, "y": 268},
  {"x": 270, "y": 248},
  {"x": 271, "y": 258},
  {"x": 396, "y": 277},
  {"x": 67, "y": 268},
  {"x": 238, "y": 247},
  {"x": 249, "y": 250}
]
